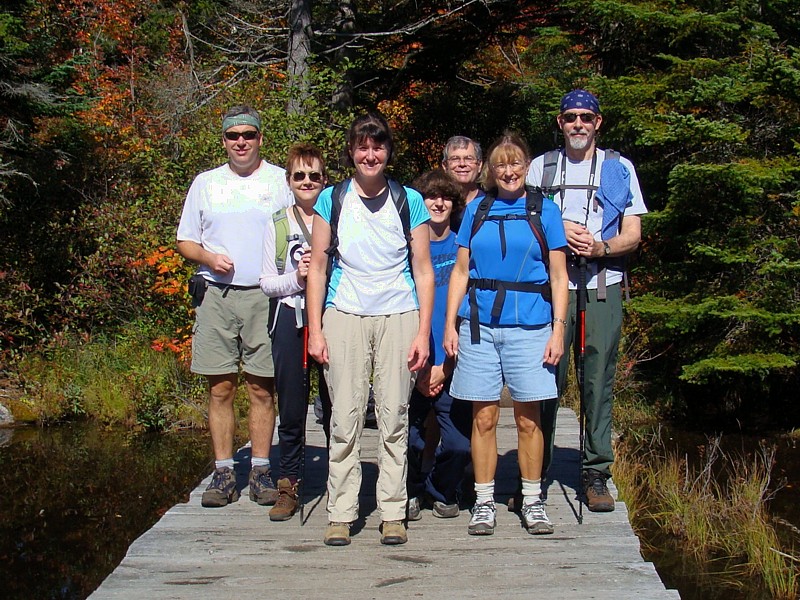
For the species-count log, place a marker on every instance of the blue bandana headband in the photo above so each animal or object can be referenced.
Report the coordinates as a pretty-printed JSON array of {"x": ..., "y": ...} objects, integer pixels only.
[
  {"x": 242, "y": 119},
  {"x": 580, "y": 99}
]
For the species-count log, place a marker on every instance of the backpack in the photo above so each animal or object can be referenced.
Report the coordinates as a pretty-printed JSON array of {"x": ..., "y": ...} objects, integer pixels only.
[
  {"x": 533, "y": 214},
  {"x": 547, "y": 187},
  {"x": 549, "y": 172},
  {"x": 400, "y": 199},
  {"x": 283, "y": 237}
]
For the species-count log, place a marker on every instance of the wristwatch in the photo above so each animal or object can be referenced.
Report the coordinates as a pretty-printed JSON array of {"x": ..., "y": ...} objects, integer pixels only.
[{"x": 606, "y": 249}]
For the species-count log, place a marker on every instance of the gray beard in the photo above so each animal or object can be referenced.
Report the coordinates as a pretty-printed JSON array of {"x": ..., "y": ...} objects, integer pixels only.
[{"x": 578, "y": 143}]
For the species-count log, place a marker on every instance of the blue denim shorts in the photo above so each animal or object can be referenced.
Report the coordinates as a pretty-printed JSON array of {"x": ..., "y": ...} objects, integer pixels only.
[{"x": 510, "y": 355}]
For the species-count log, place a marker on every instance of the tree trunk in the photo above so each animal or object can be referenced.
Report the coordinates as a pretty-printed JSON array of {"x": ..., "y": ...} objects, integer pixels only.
[
  {"x": 346, "y": 24},
  {"x": 299, "y": 52}
]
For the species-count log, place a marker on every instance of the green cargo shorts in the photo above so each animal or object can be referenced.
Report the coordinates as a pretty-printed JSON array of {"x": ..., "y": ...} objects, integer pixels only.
[{"x": 231, "y": 328}]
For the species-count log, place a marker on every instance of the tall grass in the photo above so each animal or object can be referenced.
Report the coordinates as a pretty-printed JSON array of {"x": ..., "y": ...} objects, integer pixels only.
[
  {"x": 112, "y": 379},
  {"x": 714, "y": 510}
]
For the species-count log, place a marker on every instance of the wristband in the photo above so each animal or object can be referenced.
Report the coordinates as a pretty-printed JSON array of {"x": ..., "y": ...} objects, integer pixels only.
[{"x": 557, "y": 320}]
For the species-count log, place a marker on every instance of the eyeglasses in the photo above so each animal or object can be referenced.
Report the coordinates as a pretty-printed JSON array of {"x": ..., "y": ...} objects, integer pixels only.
[
  {"x": 233, "y": 136},
  {"x": 516, "y": 167},
  {"x": 457, "y": 160},
  {"x": 314, "y": 176},
  {"x": 584, "y": 117}
]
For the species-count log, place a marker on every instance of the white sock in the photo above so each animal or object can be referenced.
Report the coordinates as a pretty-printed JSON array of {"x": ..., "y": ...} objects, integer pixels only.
[
  {"x": 531, "y": 491},
  {"x": 484, "y": 492},
  {"x": 258, "y": 461},
  {"x": 225, "y": 462}
]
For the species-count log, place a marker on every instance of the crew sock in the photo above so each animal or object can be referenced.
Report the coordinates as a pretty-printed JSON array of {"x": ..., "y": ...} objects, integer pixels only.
[
  {"x": 258, "y": 461},
  {"x": 484, "y": 492},
  {"x": 225, "y": 462},
  {"x": 531, "y": 491}
]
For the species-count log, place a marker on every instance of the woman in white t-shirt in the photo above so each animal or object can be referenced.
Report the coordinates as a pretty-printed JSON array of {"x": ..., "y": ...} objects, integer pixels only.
[{"x": 369, "y": 318}]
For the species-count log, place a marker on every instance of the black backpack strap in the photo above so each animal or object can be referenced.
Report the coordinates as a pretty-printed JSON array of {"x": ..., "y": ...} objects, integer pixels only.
[
  {"x": 549, "y": 169},
  {"x": 337, "y": 199},
  {"x": 400, "y": 199},
  {"x": 533, "y": 209},
  {"x": 480, "y": 215},
  {"x": 501, "y": 287}
]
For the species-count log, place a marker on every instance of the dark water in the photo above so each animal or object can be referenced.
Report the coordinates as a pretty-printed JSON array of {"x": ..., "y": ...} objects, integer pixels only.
[
  {"x": 708, "y": 582},
  {"x": 73, "y": 498}
]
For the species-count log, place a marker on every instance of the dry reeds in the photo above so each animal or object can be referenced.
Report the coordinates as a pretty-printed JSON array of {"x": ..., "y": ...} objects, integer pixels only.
[{"x": 716, "y": 510}]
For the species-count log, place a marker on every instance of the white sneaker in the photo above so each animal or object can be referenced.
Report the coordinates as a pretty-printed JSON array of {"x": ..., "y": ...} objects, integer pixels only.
[
  {"x": 483, "y": 519},
  {"x": 535, "y": 519},
  {"x": 413, "y": 511}
]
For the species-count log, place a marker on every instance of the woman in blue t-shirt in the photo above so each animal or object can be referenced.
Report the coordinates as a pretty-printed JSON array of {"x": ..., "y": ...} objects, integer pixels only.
[{"x": 512, "y": 328}]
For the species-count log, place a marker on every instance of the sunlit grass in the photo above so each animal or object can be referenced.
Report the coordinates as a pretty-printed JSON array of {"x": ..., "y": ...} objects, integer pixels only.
[
  {"x": 114, "y": 380},
  {"x": 715, "y": 510}
]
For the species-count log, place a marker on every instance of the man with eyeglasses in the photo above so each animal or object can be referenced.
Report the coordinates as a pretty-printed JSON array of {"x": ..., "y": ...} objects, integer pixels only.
[
  {"x": 462, "y": 161},
  {"x": 601, "y": 202},
  {"x": 222, "y": 228}
]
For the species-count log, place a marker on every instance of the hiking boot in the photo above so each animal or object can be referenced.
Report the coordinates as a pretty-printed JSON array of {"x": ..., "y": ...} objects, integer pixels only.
[
  {"x": 598, "y": 498},
  {"x": 535, "y": 519},
  {"x": 337, "y": 534},
  {"x": 222, "y": 489},
  {"x": 483, "y": 519},
  {"x": 393, "y": 533},
  {"x": 445, "y": 511},
  {"x": 262, "y": 490},
  {"x": 413, "y": 512},
  {"x": 287, "y": 502}
]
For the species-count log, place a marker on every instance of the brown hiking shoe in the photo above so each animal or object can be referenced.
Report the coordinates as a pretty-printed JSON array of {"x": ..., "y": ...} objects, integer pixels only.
[
  {"x": 262, "y": 490},
  {"x": 286, "y": 504},
  {"x": 222, "y": 489},
  {"x": 337, "y": 534},
  {"x": 598, "y": 498},
  {"x": 393, "y": 533}
]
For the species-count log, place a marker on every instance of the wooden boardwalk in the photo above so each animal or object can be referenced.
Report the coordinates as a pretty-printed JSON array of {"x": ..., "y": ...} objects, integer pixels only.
[{"x": 197, "y": 553}]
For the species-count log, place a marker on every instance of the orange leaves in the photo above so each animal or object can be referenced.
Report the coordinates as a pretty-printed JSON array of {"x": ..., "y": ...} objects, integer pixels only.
[{"x": 169, "y": 267}]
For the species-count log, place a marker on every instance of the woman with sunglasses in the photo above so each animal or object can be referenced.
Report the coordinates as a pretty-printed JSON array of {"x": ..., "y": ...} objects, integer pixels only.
[
  {"x": 285, "y": 260},
  {"x": 518, "y": 337},
  {"x": 371, "y": 320}
]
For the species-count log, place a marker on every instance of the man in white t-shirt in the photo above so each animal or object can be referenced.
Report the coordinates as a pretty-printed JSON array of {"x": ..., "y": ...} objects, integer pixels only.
[
  {"x": 222, "y": 229},
  {"x": 600, "y": 200}
]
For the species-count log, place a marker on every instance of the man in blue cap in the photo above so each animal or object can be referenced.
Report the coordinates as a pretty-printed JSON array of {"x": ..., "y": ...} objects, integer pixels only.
[
  {"x": 222, "y": 229},
  {"x": 600, "y": 201}
]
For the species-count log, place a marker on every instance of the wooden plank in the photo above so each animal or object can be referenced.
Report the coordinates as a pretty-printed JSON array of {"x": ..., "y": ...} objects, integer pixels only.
[{"x": 199, "y": 553}]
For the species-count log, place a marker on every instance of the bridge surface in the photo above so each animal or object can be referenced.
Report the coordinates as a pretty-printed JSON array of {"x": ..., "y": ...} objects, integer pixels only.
[{"x": 235, "y": 551}]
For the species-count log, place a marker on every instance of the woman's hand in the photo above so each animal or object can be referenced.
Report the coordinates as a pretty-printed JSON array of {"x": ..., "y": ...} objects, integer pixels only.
[
  {"x": 554, "y": 349},
  {"x": 318, "y": 347}
]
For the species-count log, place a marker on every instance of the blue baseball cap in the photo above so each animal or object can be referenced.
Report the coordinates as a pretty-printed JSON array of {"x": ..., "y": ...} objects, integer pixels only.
[{"x": 580, "y": 99}]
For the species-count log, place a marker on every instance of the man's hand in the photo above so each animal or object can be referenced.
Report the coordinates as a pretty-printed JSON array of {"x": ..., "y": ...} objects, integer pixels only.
[
  {"x": 579, "y": 239},
  {"x": 220, "y": 264}
]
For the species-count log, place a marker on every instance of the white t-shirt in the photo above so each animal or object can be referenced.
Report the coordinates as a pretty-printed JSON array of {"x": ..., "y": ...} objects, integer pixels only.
[
  {"x": 576, "y": 207},
  {"x": 228, "y": 214},
  {"x": 371, "y": 275}
]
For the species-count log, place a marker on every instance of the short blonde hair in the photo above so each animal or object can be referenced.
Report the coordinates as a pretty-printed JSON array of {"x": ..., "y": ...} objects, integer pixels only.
[{"x": 508, "y": 148}]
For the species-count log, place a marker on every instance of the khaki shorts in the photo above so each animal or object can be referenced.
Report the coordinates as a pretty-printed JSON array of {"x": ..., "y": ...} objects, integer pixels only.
[{"x": 231, "y": 327}]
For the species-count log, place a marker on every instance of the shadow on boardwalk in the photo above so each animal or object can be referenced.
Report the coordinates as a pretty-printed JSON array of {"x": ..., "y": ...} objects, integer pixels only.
[{"x": 234, "y": 551}]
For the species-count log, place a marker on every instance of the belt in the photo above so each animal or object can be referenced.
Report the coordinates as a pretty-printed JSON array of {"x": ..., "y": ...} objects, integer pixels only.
[{"x": 230, "y": 286}]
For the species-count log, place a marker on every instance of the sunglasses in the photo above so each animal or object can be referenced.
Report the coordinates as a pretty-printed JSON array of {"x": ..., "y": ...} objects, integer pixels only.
[
  {"x": 314, "y": 176},
  {"x": 233, "y": 136},
  {"x": 584, "y": 117}
]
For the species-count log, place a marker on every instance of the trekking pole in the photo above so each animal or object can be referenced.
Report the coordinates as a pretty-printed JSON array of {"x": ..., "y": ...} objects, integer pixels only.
[
  {"x": 302, "y": 483},
  {"x": 580, "y": 355}
]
